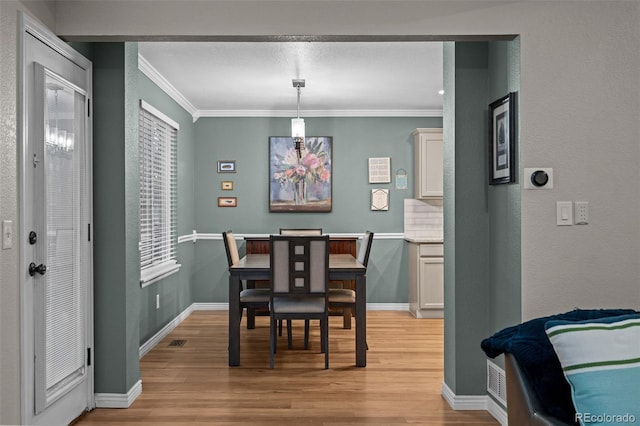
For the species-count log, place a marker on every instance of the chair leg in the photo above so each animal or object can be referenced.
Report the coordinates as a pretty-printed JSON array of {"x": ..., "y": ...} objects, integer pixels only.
[
  {"x": 279, "y": 327},
  {"x": 325, "y": 333},
  {"x": 346, "y": 318},
  {"x": 306, "y": 334},
  {"x": 322, "y": 341},
  {"x": 289, "y": 337},
  {"x": 251, "y": 318},
  {"x": 272, "y": 342}
]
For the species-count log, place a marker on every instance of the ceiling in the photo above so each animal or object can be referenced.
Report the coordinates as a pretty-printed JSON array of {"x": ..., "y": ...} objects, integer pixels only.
[{"x": 342, "y": 78}]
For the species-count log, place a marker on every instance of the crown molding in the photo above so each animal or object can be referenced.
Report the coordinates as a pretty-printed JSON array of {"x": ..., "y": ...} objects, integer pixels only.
[{"x": 153, "y": 74}]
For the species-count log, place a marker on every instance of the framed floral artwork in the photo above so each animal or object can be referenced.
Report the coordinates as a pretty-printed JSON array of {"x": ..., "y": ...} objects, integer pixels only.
[{"x": 300, "y": 182}]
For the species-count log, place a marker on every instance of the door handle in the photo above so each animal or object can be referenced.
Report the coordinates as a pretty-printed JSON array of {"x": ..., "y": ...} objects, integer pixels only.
[{"x": 40, "y": 269}]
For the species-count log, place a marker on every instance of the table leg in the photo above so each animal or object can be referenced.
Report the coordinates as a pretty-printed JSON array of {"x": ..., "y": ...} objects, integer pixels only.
[
  {"x": 234, "y": 320},
  {"x": 361, "y": 321}
]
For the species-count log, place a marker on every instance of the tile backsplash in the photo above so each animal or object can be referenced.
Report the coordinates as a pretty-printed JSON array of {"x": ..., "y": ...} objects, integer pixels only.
[{"x": 423, "y": 219}]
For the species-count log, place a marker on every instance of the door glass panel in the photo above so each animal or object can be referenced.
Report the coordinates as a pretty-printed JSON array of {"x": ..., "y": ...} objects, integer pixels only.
[{"x": 64, "y": 292}]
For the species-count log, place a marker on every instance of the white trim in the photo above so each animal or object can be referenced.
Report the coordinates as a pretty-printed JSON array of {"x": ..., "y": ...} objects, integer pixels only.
[
  {"x": 497, "y": 411},
  {"x": 212, "y": 306},
  {"x": 152, "y": 275},
  {"x": 195, "y": 236},
  {"x": 162, "y": 116},
  {"x": 118, "y": 400},
  {"x": 387, "y": 307},
  {"x": 164, "y": 332},
  {"x": 147, "y": 69},
  {"x": 323, "y": 113},
  {"x": 463, "y": 402}
]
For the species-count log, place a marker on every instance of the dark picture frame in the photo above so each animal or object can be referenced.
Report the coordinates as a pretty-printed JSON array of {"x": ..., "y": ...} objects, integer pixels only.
[
  {"x": 226, "y": 166},
  {"x": 302, "y": 184},
  {"x": 502, "y": 135}
]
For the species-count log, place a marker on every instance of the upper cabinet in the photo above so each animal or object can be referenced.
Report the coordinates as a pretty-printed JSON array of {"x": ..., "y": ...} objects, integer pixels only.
[{"x": 428, "y": 166}]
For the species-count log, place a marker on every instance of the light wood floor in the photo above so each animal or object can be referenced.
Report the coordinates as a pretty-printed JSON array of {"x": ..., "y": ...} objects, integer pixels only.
[{"x": 193, "y": 384}]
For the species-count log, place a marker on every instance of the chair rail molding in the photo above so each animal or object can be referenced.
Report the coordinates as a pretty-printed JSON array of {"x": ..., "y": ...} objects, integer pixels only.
[{"x": 195, "y": 236}]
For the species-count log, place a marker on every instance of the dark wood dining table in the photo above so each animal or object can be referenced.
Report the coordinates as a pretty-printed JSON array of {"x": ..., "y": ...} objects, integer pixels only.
[{"x": 256, "y": 267}]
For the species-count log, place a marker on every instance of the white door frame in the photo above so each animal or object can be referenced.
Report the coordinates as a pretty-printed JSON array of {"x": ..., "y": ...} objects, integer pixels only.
[{"x": 28, "y": 25}]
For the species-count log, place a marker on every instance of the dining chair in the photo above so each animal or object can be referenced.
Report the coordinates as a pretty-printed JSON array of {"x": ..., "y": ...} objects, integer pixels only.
[
  {"x": 299, "y": 281},
  {"x": 250, "y": 298},
  {"x": 345, "y": 298},
  {"x": 296, "y": 232}
]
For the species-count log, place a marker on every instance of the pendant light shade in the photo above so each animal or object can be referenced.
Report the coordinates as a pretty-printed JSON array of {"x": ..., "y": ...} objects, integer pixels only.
[{"x": 297, "y": 124}]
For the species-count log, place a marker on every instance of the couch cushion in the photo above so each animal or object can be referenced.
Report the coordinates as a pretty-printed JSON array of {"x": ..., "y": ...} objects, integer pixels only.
[
  {"x": 530, "y": 346},
  {"x": 601, "y": 360}
]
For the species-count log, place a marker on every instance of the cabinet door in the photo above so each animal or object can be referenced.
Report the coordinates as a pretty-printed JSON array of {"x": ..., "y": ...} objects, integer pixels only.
[
  {"x": 429, "y": 164},
  {"x": 431, "y": 283}
]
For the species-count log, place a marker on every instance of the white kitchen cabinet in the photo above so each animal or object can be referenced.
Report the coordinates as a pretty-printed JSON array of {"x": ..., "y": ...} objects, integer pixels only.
[
  {"x": 426, "y": 280},
  {"x": 428, "y": 166}
]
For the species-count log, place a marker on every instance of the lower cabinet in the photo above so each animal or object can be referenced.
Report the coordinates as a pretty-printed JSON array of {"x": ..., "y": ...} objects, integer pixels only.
[{"x": 426, "y": 280}]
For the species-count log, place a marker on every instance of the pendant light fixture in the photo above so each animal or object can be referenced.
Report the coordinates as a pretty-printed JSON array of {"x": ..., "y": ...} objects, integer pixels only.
[{"x": 297, "y": 124}]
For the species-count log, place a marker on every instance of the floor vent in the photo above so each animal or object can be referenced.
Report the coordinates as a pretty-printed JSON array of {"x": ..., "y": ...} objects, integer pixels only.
[
  {"x": 177, "y": 343},
  {"x": 497, "y": 383}
]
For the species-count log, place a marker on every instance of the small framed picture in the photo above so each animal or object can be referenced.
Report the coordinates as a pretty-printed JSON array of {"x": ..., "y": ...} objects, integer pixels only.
[
  {"x": 380, "y": 199},
  {"x": 226, "y": 166},
  {"x": 227, "y": 201},
  {"x": 227, "y": 185},
  {"x": 502, "y": 134},
  {"x": 380, "y": 170}
]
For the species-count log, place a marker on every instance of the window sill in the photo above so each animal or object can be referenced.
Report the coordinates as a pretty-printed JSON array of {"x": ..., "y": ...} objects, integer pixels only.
[{"x": 156, "y": 274}]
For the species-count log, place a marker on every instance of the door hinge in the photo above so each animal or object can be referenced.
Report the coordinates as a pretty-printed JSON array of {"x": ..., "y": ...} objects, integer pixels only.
[
  {"x": 88, "y": 357},
  {"x": 89, "y": 231},
  {"x": 88, "y": 107}
]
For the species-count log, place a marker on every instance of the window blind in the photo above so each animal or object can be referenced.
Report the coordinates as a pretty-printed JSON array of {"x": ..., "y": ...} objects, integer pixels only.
[{"x": 158, "y": 184}]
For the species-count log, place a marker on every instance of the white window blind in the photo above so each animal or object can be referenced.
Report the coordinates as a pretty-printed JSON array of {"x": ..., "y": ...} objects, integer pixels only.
[{"x": 158, "y": 184}]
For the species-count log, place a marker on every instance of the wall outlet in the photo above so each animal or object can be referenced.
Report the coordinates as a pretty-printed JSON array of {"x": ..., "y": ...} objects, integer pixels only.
[
  {"x": 582, "y": 212},
  {"x": 7, "y": 234},
  {"x": 157, "y": 301}
]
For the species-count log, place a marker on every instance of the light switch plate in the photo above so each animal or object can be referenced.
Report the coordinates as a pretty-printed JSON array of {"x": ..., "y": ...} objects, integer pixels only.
[
  {"x": 564, "y": 213},
  {"x": 7, "y": 234}
]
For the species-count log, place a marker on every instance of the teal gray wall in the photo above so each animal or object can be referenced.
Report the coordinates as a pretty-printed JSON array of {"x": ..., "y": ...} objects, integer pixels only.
[
  {"x": 116, "y": 259},
  {"x": 482, "y": 222},
  {"x": 504, "y": 203},
  {"x": 246, "y": 140},
  {"x": 175, "y": 290}
]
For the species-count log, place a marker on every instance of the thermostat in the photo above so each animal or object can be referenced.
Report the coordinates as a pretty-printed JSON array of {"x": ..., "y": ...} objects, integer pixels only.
[{"x": 538, "y": 178}]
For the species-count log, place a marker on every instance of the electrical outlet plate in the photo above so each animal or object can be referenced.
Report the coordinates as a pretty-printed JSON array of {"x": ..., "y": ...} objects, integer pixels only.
[{"x": 581, "y": 212}]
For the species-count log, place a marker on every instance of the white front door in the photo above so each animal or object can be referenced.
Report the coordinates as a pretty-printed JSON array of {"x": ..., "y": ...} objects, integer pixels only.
[{"x": 57, "y": 295}]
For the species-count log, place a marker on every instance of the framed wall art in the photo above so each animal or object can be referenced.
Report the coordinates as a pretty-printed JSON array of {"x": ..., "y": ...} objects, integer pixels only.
[
  {"x": 380, "y": 199},
  {"x": 300, "y": 183},
  {"x": 227, "y": 185},
  {"x": 502, "y": 131},
  {"x": 226, "y": 166},
  {"x": 227, "y": 201},
  {"x": 380, "y": 170}
]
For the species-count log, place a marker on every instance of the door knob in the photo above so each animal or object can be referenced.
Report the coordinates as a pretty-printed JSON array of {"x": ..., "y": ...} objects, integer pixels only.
[{"x": 40, "y": 269}]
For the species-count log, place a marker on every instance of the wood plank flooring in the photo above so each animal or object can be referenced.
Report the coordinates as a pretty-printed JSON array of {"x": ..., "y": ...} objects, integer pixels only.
[{"x": 193, "y": 384}]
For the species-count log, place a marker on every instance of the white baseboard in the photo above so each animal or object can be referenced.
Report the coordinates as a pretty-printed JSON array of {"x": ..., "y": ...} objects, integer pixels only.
[
  {"x": 475, "y": 402},
  {"x": 118, "y": 400},
  {"x": 210, "y": 306},
  {"x": 387, "y": 307},
  {"x": 497, "y": 411},
  {"x": 463, "y": 402},
  {"x": 164, "y": 332}
]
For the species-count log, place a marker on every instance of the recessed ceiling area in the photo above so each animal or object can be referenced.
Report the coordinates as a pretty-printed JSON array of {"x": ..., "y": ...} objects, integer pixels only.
[{"x": 342, "y": 78}]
